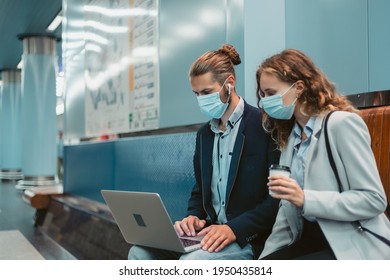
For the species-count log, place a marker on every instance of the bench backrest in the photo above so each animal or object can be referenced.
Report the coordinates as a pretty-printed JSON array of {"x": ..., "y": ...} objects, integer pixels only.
[
  {"x": 161, "y": 164},
  {"x": 378, "y": 122}
]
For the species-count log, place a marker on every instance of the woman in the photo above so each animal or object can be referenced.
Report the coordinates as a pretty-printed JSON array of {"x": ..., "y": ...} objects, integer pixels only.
[{"x": 315, "y": 220}]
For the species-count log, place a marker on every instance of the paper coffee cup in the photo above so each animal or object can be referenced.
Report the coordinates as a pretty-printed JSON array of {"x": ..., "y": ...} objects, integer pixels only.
[{"x": 281, "y": 170}]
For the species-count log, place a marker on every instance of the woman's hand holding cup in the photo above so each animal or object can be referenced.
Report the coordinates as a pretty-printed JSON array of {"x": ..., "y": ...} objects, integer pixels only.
[{"x": 281, "y": 186}]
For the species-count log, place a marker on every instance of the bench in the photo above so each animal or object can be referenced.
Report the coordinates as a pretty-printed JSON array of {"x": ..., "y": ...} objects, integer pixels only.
[{"x": 80, "y": 221}]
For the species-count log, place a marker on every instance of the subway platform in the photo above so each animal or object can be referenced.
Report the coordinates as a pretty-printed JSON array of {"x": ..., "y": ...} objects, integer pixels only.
[
  {"x": 17, "y": 224},
  {"x": 70, "y": 228}
]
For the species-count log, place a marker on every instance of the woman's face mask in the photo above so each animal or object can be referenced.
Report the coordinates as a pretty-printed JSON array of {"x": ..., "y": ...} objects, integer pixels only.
[
  {"x": 274, "y": 107},
  {"x": 211, "y": 104}
]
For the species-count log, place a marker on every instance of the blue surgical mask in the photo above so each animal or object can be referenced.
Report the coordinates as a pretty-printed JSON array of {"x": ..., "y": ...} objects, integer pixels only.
[
  {"x": 274, "y": 107},
  {"x": 211, "y": 104}
]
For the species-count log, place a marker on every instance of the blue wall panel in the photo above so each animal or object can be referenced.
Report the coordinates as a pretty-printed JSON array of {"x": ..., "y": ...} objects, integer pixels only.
[
  {"x": 187, "y": 30},
  {"x": 334, "y": 35},
  {"x": 264, "y": 36},
  {"x": 379, "y": 38}
]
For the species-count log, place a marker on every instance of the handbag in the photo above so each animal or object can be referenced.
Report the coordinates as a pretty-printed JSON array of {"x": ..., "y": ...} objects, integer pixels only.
[{"x": 357, "y": 224}]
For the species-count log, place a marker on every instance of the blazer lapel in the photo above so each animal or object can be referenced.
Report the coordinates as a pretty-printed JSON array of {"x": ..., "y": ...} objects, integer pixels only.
[
  {"x": 236, "y": 156},
  {"x": 235, "y": 160}
]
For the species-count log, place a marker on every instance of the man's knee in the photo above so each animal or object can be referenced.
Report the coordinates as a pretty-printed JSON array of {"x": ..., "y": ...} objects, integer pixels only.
[
  {"x": 147, "y": 253},
  {"x": 230, "y": 252},
  {"x": 136, "y": 253}
]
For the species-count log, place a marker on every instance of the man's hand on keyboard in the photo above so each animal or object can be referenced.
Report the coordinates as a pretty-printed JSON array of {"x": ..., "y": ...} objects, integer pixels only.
[{"x": 189, "y": 226}]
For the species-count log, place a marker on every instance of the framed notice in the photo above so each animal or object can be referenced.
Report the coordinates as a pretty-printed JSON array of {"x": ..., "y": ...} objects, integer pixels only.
[{"x": 121, "y": 66}]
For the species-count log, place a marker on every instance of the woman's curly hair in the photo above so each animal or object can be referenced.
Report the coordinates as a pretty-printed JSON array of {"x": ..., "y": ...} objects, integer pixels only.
[{"x": 320, "y": 93}]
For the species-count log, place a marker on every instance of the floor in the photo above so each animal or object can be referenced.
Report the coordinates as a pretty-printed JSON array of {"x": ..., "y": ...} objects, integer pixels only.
[
  {"x": 15, "y": 246},
  {"x": 17, "y": 219}
]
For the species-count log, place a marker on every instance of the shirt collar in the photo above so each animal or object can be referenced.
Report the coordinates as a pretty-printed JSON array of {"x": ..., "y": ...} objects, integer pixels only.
[{"x": 308, "y": 129}]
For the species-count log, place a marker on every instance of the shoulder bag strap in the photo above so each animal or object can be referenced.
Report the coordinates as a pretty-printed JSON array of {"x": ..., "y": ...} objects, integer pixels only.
[
  {"x": 329, "y": 151},
  {"x": 333, "y": 165}
]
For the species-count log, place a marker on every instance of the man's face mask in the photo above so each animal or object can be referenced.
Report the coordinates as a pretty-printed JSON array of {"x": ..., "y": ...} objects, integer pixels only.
[{"x": 211, "y": 104}]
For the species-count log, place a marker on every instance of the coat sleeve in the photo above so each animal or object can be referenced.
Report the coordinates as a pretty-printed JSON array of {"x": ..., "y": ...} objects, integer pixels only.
[{"x": 363, "y": 195}]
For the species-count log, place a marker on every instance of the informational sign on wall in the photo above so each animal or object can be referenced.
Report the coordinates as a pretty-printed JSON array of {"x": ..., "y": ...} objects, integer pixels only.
[
  {"x": 144, "y": 74},
  {"x": 121, "y": 66}
]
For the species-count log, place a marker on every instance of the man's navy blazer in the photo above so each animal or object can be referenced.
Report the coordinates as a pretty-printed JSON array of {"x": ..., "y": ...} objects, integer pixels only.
[{"x": 250, "y": 210}]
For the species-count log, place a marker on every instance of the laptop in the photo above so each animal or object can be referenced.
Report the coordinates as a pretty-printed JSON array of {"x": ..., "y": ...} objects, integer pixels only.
[{"x": 143, "y": 220}]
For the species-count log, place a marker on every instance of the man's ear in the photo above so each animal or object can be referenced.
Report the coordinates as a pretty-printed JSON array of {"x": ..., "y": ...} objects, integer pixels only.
[{"x": 231, "y": 81}]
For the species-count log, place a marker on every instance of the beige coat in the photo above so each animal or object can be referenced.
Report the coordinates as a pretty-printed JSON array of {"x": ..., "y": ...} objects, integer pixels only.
[{"x": 363, "y": 198}]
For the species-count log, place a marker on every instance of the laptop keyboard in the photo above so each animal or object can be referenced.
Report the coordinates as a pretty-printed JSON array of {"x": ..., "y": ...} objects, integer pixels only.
[{"x": 189, "y": 242}]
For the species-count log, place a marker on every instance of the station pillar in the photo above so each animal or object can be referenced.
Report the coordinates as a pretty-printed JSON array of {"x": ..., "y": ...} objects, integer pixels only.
[
  {"x": 10, "y": 125},
  {"x": 39, "y": 120}
]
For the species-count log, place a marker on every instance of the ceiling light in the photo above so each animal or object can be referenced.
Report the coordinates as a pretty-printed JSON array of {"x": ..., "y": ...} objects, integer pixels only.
[{"x": 56, "y": 22}]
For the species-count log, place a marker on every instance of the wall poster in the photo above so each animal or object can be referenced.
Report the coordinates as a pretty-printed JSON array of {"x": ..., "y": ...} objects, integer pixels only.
[{"x": 121, "y": 66}]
